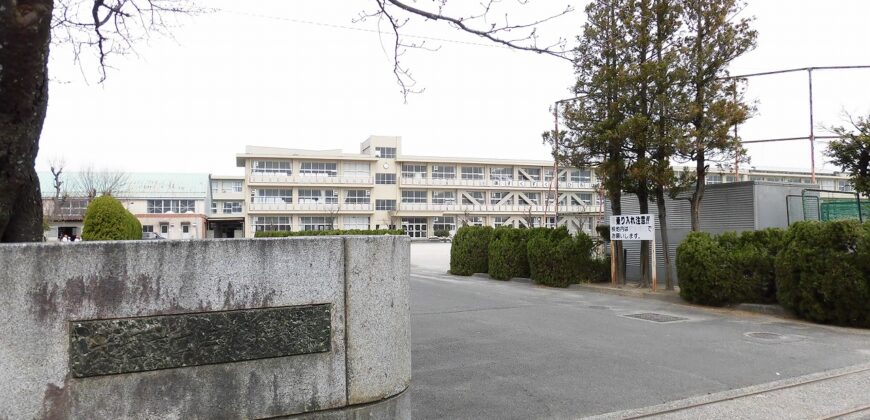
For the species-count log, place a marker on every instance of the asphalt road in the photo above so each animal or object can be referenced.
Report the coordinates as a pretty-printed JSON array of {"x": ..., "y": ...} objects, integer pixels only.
[{"x": 489, "y": 349}]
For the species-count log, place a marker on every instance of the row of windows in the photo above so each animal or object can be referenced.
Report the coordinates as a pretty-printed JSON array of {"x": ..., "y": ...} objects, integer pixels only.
[
  {"x": 308, "y": 196},
  {"x": 284, "y": 167},
  {"x": 505, "y": 173},
  {"x": 174, "y": 206},
  {"x": 224, "y": 186},
  {"x": 226, "y": 207},
  {"x": 283, "y": 223},
  {"x": 496, "y": 197}
]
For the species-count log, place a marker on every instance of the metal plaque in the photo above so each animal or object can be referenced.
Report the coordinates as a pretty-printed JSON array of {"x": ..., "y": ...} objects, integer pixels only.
[{"x": 112, "y": 346}]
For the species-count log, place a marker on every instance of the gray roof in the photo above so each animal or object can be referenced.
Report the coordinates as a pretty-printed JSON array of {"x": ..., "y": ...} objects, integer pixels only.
[{"x": 139, "y": 185}]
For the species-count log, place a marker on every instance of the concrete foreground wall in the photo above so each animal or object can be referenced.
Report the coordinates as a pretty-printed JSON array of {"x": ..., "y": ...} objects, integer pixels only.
[{"x": 49, "y": 290}]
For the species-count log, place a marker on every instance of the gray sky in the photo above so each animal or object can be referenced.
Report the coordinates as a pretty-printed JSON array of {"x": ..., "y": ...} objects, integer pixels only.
[{"x": 278, "y": 75}]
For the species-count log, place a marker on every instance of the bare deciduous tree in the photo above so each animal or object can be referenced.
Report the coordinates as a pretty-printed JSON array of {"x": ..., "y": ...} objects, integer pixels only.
[
  {"x": 481, "y": 22},
  {"x": 102, "y": 182}
]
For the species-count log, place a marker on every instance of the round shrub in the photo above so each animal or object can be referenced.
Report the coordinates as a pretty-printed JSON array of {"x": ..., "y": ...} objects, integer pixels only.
[
  {"x": 556, "y": 260},
  {"x": 507, "y": 253},
  {"x": 703, "y": 269},
  {"x": 106, "y": 219},
  {"x": 469, "y": 250},
  {"x": 822, "y": 272}
]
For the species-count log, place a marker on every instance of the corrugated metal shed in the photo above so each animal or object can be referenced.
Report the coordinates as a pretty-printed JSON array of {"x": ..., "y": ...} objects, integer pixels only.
[{"x": 737, "y": 206}]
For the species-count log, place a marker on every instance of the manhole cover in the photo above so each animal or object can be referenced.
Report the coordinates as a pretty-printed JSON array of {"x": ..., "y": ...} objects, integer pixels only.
[
  {"x": 654, "y": 317},
  {"x": 598, "y": 307},
  {"x": 765, "y": 335}
]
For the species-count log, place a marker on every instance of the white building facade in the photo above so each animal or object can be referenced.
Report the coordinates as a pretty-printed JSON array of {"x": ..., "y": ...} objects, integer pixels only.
[{"x": 380, "y": 188}]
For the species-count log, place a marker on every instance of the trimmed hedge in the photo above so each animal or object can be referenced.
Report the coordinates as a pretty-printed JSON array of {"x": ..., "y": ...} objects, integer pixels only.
[
  {"x": 557, "y": 260},
  {"x": 507, "y": 253},
  {"x": 823, "y": 272},
  {"x": 469, "y": 250},
  {"x": 730, "y": 268},
  {"x": 333, "y": 232},
  {"x": 106, "y": 219},
  {"x": 703, "y": 269},
  {"x": 599, "y": 269}
]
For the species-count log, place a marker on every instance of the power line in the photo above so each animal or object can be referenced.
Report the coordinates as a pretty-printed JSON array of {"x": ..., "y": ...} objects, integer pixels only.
[{"x": 352, "y": 28}]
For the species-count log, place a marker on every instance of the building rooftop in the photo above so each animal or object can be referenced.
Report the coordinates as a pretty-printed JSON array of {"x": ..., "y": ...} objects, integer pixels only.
[{"x": 138, "y": 185}]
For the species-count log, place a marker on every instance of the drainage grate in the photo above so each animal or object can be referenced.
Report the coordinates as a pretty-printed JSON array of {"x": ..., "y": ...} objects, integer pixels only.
[
  {"x": 654, "y": 317},
  {"x": 765, "y": 335}
]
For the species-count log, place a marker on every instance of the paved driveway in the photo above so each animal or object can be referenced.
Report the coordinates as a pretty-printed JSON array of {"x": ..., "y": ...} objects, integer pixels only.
[{"x": 489, "y": 349}]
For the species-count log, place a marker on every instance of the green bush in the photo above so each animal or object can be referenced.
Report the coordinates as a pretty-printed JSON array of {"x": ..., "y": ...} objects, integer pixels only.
[
  {"x": 599, "y": 270},
  {"x": 558, "y": 260},
  {"x": 469, "y": 250},
  {"x": 333, "y": 232},
  {"x": 442, "y": 233},
  {"x": 751, "y": 257},
  {"x": 106, "y": 219},
  {"x": 507, "y": 253},
  {"x": 703, "y": 269},
  {"x": 823, "y": 272}
]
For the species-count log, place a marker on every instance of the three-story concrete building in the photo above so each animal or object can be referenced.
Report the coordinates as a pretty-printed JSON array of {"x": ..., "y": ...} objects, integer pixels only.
[{"x": 380, "y": 188}]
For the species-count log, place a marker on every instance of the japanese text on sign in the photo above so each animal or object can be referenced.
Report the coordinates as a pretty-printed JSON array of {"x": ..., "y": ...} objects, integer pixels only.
[{"x": 632, "y": 227}]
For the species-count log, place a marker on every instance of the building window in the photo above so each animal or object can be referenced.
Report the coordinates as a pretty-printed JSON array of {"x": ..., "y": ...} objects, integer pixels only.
[
  {"x": 271, "y": 223},
  {"x": 443, "y": 197},
  {"x": 237, "y": 186},
  {"x": 385, "y": 152},
  {"x": 714, "y": 179},
  {"x": 495, "y": 197},
  {"x": 501, "y": 174},
  {"x": 174, "y": 206},
  {"x": 318, "y": 196},
  {"x": 473, "y": 221},
  {"x": 414, "y": 196},
  {"x": 356, "y": 222},
  {"x": 531, "y": 198},
  {"x": 476, "y": 198},
  {"x": 548, "y": 174},
  {"x": 164, "y": 228},
  {"x": 148, "y": 228},
  {"x": 357, "y": 197},
  {"x": 356, "y": 169},
  {"x": 531, "y": 174},
  {"x": 415, "y": 227},
  {"x": 273, "y": 167},
  {"x": 272, "y": 195},
  {"x": 500, "y": 221},
  {"x": 443, "y": 172},
  {"x": 550, "y": 222},
  {"x": 385, "y": 204},
  {"x": 414, "y": 171},
  {"x": 232, "y": 207},
  {"x": 185, "y": 227},
  {"x": 317, "y": 223},
  {"x": 472, "y": 172},
  {"x": 319, "y": 169},
  {"x": 385, "y": 178},
  {"x": 444, "y": 223}
]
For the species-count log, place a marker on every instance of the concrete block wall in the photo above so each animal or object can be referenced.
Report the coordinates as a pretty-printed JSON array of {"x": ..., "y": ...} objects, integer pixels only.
[{"x": 48, "y": 287}]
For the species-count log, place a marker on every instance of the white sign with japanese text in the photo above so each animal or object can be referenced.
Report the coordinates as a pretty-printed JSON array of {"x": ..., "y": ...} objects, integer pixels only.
[{"x": 632, "y": 227}]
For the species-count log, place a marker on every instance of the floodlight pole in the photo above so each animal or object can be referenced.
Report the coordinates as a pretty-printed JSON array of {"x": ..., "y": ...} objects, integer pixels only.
[{"x": 812, "y": 130}]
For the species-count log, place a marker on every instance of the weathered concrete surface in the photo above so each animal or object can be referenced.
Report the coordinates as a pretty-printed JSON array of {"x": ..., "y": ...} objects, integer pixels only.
[
  {"x": 394, "y": 408},
  {"x": 378, "y": 317},
  {"x": 48, "y": 286}
]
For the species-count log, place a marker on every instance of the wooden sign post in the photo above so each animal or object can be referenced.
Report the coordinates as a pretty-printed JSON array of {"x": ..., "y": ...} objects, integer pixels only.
[{"x": 632, "y": 227}]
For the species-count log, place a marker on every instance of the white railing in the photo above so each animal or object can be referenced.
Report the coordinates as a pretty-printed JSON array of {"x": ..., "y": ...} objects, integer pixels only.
[
  {"x": 302, "y": 179},
  {"x": 473, "y": 208},
  {"x": 457, "y": 182},
  {"x": 309, "y": 207}
]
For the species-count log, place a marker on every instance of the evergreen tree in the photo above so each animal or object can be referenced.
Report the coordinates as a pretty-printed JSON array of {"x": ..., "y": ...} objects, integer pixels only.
[{"x": 852, "y": 153}]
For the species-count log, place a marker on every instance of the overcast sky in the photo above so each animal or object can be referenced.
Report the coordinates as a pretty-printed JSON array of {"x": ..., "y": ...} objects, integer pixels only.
[{"x": 286, "y": 74}]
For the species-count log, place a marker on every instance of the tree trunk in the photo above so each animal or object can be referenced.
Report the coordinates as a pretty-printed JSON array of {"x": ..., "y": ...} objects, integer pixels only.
[
  {"x": 643, "y": 202},
  {"x": 666, "y": 243},
  {"x": 25, "y": 33},
  {"x": 616, "y": 251},
  {"x": 698, "y": 194}
]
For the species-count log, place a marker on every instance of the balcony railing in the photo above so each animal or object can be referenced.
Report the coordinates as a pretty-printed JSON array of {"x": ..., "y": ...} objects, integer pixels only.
[
  {"x": 511, "y": 208},
  {"x": 339, "y": 207},
  {"x": 301, "y": 179},
  {"x": 457, "y": 182}
]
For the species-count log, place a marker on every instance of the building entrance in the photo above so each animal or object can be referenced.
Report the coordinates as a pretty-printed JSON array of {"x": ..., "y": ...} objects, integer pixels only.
[{"x": 416, "y": 227}]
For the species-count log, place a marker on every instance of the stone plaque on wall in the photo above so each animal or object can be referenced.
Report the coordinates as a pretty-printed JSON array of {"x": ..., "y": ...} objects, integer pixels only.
[{"x": 112, "y": 346}]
